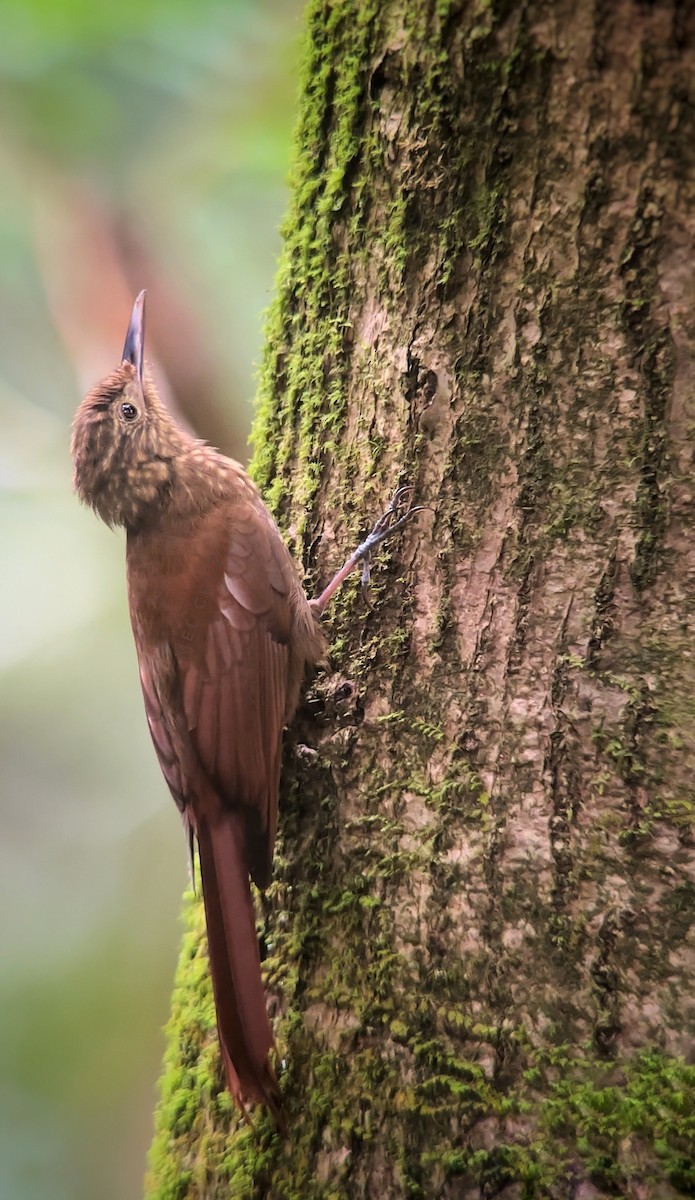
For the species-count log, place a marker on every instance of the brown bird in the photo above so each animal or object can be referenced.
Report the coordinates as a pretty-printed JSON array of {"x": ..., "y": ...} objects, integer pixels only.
[{"x": 223, "y": 633}]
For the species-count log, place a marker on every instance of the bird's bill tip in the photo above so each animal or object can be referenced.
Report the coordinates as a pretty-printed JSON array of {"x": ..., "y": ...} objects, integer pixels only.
[{"x": 134, "y": 349}]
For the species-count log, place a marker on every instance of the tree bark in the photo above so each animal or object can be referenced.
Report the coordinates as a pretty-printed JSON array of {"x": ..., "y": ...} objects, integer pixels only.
[{"x": 479, "y": 938}]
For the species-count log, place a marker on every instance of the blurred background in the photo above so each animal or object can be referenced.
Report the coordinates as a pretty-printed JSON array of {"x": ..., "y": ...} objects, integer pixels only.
[{"x": 144, "y": 144}]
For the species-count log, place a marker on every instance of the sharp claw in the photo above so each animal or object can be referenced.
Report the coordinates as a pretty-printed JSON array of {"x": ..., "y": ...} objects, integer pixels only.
[
  {"x": 389, "y": 522},
  {"x": 397, "y": 514},
  {"x": 398, "y": 498},
  {"x": 399, "y": 495}
]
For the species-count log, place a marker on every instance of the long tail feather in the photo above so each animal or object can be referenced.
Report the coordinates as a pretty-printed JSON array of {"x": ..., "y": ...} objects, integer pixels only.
[{"x": 246, "y": 1037}]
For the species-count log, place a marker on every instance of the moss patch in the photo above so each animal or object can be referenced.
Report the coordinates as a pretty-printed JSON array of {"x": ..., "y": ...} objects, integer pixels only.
[{"x": 486, "y": 839}]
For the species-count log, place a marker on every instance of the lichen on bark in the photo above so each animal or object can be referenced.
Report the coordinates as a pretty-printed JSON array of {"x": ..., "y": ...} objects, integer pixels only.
[{"x": 479, "y": 938}]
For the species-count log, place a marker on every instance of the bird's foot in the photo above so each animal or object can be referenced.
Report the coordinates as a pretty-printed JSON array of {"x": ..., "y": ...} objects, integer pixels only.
[{"x": 398, "y": 513}]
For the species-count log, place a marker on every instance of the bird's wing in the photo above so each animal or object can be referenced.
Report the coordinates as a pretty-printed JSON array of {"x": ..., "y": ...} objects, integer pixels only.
[
  {"x": 234, "y": 674},
  {"x": 215, "y": 684},
  {"x": 157, "y": 679}
]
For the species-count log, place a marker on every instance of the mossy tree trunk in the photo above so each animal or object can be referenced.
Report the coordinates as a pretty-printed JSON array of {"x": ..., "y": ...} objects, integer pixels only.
[{"x": 479, "y": 938}]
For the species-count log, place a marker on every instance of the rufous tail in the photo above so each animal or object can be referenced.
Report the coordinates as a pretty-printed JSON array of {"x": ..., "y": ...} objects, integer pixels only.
[{"x": 246, "y": 1037}]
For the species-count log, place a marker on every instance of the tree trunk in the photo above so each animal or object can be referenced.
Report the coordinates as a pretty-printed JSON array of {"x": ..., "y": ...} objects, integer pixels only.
[{"x": 479, "y": 938}]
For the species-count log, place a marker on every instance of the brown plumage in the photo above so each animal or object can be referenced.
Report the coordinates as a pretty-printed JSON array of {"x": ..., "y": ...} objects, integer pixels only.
[{"x": 223, "y": 632}]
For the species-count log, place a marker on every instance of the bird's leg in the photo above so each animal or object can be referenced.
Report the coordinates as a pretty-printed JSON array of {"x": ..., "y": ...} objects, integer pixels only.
[{"x": 399, "y": 512}]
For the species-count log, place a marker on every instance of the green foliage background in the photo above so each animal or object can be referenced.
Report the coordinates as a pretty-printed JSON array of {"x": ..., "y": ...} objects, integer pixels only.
[{"x": 177, "y": 116}]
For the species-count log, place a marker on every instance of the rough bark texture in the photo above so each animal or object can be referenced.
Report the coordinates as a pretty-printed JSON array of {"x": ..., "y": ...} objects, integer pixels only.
[{"x": 480, "y": 935}]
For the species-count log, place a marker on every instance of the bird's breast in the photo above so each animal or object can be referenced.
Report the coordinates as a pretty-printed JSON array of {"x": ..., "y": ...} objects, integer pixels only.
[{"x": 174, "y": 578}]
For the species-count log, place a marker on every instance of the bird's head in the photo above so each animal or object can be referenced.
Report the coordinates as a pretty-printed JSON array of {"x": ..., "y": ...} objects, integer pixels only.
[{"x": 124, "y": 442}]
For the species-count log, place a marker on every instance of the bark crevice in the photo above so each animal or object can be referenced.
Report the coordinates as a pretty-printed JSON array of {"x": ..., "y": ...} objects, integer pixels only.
[{"x": 479, "y": 937}]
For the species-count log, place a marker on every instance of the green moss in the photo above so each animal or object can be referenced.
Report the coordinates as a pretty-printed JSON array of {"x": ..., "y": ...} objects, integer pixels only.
[
  {"x": 190, "y": 1086},
  {"x": 397, "y": 1043},
  {"x": 600, "y": 1115},
  {"x": 303, "y": 376},
  {"x": 649, "y": 1101}
]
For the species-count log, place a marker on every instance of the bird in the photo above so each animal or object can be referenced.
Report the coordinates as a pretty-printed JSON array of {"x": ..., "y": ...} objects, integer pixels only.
[{"x": 224, "y": 634}]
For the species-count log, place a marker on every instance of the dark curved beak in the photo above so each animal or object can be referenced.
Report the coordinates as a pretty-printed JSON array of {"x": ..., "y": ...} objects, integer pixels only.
[{"x": 134, "y": 349}]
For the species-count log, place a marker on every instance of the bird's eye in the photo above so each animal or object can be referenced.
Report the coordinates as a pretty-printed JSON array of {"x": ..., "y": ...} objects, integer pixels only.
[{"x": 128, "y": 411}]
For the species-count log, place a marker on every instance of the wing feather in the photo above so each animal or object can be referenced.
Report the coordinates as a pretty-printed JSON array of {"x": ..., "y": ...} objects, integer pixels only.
[
  {"x": 161, "y": 734},
  {"x": 234, "y": 676}
]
